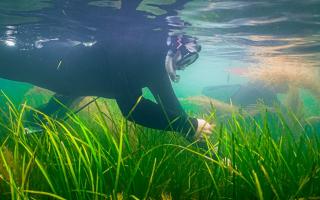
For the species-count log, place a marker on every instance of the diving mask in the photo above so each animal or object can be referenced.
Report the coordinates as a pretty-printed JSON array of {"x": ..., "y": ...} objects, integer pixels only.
[{"x": 183, "y": 52}]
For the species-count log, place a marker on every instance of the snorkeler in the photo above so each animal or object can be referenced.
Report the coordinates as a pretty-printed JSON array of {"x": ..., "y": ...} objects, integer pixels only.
[{"x": 74, "y": 69}]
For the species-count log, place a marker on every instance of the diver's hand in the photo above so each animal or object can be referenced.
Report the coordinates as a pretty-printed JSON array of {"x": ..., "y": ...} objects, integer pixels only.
[{"x": 204, "y": 129}]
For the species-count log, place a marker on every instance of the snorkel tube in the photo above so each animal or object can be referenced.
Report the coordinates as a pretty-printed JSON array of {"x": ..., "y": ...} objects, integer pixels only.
[{"x": 171, "y": 66}]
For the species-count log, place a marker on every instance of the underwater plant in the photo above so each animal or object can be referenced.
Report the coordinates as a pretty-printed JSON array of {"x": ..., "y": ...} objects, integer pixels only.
[
  {"x": 210, "y": 103},
  {"x": 294, "y": 103},
  {"x": 284, "y": 73},
  {"x": 89, "y": 159},
  {"x": 222, "y": 109}
]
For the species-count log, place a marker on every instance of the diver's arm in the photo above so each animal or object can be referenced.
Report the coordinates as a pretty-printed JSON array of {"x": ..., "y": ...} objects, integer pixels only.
[
  {"x": 147, "y": 113},
  {"x": 163, "y": 92}
]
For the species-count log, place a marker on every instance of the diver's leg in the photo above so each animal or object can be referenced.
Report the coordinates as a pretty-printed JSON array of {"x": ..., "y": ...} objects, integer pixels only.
[
  {"x": 59, "y": 105},
  {"x": 56, "y": 108}
]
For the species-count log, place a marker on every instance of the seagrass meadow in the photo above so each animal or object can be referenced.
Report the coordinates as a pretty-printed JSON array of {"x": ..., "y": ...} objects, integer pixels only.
[
  {"x": 249, "y": 68},
  {"x": 99, "y": 155}
]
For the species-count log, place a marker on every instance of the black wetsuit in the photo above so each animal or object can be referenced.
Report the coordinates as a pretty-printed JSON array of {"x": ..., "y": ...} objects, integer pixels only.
[
  {"x": 117, "y": 67},
  {"x": 129, "y": 54}
]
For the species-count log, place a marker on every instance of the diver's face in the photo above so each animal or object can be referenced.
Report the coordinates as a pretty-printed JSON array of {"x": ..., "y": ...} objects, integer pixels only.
[{"x": 187, "y": 55}]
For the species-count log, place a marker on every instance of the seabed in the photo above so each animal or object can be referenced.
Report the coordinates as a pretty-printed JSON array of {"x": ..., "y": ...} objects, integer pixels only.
[{"x": 97, "y": 154}]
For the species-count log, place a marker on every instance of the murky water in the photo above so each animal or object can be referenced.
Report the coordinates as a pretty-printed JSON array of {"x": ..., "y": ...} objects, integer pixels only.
[{"x": 251, "y": 50}]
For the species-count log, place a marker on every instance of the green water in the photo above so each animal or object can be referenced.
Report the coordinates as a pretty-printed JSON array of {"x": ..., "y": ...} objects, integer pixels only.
[
  {"x": 255, "y": 151},
  {"x": 15, "y": 90}
]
